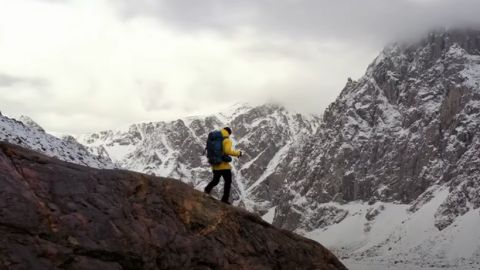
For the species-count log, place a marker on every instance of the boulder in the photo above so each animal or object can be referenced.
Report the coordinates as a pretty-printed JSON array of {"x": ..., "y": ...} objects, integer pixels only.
[{"x": 59, "y": 215}]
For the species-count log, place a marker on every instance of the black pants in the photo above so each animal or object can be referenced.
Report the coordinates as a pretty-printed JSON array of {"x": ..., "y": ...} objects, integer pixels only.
[{"x": 227, "y": 177}]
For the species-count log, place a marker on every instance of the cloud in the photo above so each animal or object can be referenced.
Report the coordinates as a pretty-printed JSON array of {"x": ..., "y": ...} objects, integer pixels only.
[
  {"x": 8, "y": 80},
  {"x": 85, "y": 65},
  {"x": 362, "y": 21}
]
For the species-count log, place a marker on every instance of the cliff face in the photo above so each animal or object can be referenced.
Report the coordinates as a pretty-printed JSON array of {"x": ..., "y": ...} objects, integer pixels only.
[
  {"x": 58, "y": 215},
  {"x": 409, "y": 124}
]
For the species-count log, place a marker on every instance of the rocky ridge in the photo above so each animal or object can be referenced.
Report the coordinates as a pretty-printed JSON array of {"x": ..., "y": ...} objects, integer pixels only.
[{"x": 58, "y": 215}]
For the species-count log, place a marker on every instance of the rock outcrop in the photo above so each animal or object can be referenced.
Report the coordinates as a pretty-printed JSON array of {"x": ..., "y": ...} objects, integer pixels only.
[{"x": 58, "y": 215}]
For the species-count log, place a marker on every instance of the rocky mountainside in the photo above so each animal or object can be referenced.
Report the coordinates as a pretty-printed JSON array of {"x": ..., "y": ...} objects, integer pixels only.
[
  {"x": 28, "y": 133},
  {"x": 175, "y": 149},
  {"x": 58, "y": 215},
  {"x": 406, "y": 133}
]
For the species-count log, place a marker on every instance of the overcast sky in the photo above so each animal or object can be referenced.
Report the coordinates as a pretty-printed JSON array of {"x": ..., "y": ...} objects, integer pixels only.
[{"x": 87, "y": 65}]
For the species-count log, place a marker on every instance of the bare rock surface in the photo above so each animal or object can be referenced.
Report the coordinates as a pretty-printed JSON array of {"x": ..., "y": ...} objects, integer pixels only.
[{"x": 59, "y": 215}]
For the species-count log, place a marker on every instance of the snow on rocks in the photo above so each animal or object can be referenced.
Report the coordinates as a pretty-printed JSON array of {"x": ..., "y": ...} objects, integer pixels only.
[
  {"x": 29, "y": 134},
  {"x": 175, "y": 149},
  {"x": 396, "y": 236}
]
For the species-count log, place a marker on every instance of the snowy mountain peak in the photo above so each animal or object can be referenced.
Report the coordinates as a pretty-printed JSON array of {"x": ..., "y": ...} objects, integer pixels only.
[
  {"x": 174, "y": 149},
  {"x": 233, "y": 111},
  {"x": 30, "y": 123},
  {"x": 405, "y": 135},
  {"x": 29, "y": 134}
]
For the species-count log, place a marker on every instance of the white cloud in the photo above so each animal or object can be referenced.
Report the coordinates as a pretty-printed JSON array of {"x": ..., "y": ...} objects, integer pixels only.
[
  {"x": 104, "y": 71},
  {"x": 107, "y": 63}
]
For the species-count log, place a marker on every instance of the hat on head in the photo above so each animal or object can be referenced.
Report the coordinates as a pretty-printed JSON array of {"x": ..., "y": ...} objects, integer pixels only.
[{"x": 229, "y": 130}]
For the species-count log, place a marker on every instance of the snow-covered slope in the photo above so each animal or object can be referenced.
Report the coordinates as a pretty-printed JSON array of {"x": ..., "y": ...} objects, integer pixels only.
[
  {"x": 29, "y": 134},
  {"x": 175, "y": 149},
  {"x": 386, "y": 234}
]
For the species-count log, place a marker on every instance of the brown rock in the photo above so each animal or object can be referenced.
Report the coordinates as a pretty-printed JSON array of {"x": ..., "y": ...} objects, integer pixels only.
[{"x": 57, "y": 215}]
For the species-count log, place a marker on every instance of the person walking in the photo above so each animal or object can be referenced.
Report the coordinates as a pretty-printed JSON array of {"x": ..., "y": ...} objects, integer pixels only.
[{"x": 219, "y": 152}]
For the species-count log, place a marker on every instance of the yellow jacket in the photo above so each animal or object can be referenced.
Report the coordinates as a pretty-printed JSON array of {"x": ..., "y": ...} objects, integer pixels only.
[{"x": 227, "y": 150}]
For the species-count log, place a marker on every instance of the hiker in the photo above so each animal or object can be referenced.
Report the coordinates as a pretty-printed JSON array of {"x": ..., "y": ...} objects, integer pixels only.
[{"x": 219, "y": 151}]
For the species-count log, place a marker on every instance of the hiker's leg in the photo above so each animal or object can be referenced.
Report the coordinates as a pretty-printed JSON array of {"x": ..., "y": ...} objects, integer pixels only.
[
  {"x": 214, "y": 182},
  {"x": 227, "y": 177}
]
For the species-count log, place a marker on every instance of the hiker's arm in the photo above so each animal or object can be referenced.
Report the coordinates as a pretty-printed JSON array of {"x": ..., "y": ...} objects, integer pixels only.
[{"x": 228, "y": 150}]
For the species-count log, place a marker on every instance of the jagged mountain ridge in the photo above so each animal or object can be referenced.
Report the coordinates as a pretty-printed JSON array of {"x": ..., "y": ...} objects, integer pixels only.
[
  {"x": 175, "y": 149},
  {"x": 411, "y": 122},
  {"x": 28, "y": 133},
  {"x": 404, "y": 133}
]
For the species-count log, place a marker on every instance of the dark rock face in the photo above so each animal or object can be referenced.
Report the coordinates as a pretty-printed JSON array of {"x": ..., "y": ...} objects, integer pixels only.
[{"x": 57, "y": 215}]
